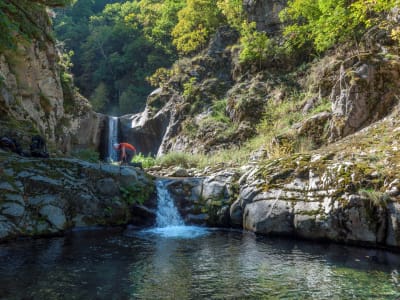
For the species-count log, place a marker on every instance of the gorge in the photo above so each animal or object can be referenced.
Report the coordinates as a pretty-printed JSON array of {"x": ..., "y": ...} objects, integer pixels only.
[{"x": 278, "y": 171}]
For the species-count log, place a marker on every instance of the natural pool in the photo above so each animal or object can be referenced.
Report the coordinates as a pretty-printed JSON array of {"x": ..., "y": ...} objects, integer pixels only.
[{"x": 193, "y": 264}]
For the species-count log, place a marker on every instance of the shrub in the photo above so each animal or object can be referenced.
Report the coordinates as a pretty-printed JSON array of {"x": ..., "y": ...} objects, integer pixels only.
[
  {"x": 136, "y": 193},
  {"x": 185, "y": 160},
  {"x": 256, "y": 46},
  {"x": 324, "y": 23},
  {"x": 146, "y": 161}
]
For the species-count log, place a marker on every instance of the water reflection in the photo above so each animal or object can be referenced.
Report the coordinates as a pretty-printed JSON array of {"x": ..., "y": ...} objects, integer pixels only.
[{"x": 216, "y": 265}]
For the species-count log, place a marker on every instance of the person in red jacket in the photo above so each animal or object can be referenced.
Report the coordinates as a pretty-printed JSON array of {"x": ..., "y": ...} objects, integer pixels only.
[{"x": 127, "y": 152}]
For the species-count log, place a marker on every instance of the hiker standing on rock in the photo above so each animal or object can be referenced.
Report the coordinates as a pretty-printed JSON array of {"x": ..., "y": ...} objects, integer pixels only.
[{"x": 127, "y": 152}]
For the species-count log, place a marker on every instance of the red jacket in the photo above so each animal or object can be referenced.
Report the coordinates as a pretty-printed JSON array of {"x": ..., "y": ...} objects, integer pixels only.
[{"x": 126, "y": 146}]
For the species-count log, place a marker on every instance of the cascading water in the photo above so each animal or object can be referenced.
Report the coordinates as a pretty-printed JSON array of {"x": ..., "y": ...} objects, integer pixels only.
[
  {"x": 169, "y": 223},
  {"x": 167, "y": 213},
  {"x": 112, "y": 138}
]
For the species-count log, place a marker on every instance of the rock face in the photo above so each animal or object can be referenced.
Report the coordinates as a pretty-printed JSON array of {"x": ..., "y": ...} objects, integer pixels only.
[
  {"x": 35, "y": 98},
  {"x": 205, "y": 201},
  {"x": 39, "y": 197},
  {"x": 365, "y": 91},
  {"x": 164, "y": 125},
  {"x": 265, "y": 13},
  {"x": 348, "y": 192},
  {"x": 144, "y": 131}
]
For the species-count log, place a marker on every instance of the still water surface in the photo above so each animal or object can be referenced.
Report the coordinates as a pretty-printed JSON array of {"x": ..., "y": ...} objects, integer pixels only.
[{"x": 195, "y": 264}]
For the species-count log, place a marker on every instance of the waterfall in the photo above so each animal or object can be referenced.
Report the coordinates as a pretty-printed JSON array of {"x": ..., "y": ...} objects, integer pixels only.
[
  {"x": 169, "y": 223},
  {"x": 167, "y": 213},
  {"x": 112, "y": 138}
]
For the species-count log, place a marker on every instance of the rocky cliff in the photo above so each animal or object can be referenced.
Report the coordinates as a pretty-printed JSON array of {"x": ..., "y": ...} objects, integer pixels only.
[
  {"x": 38, "y": 97},
  {"x": 50, "y": 196},
  {"x": 346, "y": 192}
]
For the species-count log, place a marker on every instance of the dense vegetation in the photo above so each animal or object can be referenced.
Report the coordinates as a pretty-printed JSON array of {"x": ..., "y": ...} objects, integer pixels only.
[{"x": 119, "y": 48}]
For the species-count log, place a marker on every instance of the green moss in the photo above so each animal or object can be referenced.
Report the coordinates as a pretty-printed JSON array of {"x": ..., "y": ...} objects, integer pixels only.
[{"x": 137, "y": 193}]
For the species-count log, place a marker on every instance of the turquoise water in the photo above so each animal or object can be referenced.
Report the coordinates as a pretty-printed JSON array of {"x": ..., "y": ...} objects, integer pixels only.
[{"x": 194, "y": 264}]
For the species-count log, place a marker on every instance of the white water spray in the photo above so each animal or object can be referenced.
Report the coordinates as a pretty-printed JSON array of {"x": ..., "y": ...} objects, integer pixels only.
[
  {"x": 169, "y": 223},
  {"x": 112, "y": 138},
  {"x": 167, "y": 213}
]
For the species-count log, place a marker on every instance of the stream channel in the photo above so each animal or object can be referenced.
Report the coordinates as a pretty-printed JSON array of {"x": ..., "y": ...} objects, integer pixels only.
[{"x": 174, "y": 261}]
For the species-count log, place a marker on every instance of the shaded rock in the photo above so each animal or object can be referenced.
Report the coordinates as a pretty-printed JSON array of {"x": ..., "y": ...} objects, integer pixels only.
[
  {"x": 14, "y": 198},
  {"x": 265, "y": 14},
  {"x": 236, "y": 214},
  {"x": 54, "y": 215},
  {"x": 43, "y": 199},
  {"x": 393, "y": 235},
  {"x": 12, "y": 209},
  {"x": 107, "y": 187},
  {"x": 5, "y": 186}
]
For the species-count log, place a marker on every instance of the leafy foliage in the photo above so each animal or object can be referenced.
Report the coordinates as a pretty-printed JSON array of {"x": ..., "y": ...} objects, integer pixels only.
[
  {"x": 233, "y": 11},
  {"x": 256, "y": 45},
  {"x": 99, "y": 97},
  {"x": 146, "y": 161},
  {"x": 136, "y": 193},
  {"x": 197, "y": 21},
  {"x": 118, "y": 45},
  {"x": 325, "y": 23}
]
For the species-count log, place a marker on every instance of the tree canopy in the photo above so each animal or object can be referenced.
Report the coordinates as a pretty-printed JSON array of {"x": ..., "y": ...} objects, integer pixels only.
[{"x": 327, "y": 22}]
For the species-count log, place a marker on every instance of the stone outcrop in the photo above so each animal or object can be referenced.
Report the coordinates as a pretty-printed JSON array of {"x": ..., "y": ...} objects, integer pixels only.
[
  {"x": 265, "y": 14},
  {"x": 36, "y": 97},
  {"x": 49, "y": 196},
  {"x": 163, "y": 126},
  {"x": 205, "y": 200},
  {"x": 348, "y": 192},
  {"x": 365, "y": 92}
]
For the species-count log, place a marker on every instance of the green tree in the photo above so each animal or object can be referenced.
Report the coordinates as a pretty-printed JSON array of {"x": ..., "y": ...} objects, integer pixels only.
[
  {"x": 158, "y": 18},
  {"x": 255, "y": 45},
  {"x": 99, "y": 98},
  {"x": 327, "y": 22},
  {"x": 233, "y": 11},
  {"x": 197, "y": 21}
]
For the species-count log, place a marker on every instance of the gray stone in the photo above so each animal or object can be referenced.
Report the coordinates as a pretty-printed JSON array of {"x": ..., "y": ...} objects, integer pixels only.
[
  {"x": 6, "y": 229},
  {"x": 393, "y": 230},
  {"x": 14, "y": 198},
  {"x": 46, "y": 180},
  {"x": 12, "y": 209},
  {"x": 54, "y": 215},
  {"x": 107, "y": 187},
  {"x": 25, "y": 174},
  {"x": 236, "y": 214},
  {"x": 213, "y": 189},
  {"x": 268, "y": 216},
  {"x": 43, "y": 200},
  {"x": 5, "y": 186},
  {"x": 179, "y": 172}
]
